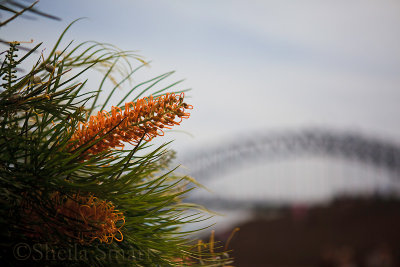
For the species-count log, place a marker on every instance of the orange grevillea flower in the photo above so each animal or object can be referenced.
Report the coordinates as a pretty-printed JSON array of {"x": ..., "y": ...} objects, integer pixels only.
[
  {"x": 98, "y": 219},
  {"x": 146, "y": 118},
  {"x": 80, "y": 218}
]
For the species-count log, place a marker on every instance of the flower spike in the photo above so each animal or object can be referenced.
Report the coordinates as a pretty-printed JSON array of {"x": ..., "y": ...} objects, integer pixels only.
[
  {"x": 81, "y": 218},
  {"x": 146, "y": 118}
]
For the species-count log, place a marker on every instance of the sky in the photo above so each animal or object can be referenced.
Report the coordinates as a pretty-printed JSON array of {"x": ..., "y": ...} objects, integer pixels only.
[{"x": 252, "y": 65}]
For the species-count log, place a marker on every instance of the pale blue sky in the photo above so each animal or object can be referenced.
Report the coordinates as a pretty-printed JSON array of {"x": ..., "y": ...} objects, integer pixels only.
[{"x": 253, "y": 64}]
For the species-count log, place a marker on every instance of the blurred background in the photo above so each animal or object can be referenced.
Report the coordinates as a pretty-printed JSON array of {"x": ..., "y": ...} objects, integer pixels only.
[{"x": 295, "y": 129}]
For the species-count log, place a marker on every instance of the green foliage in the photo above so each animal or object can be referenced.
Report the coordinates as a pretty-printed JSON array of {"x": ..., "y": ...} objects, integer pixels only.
[
  {"x": 39, "y": 112},
  {"x": 17, "y": 8}
]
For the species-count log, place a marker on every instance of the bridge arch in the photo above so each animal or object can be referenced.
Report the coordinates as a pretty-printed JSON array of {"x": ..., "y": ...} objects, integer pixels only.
[
  {"x": 265, "y": 148},
  {"x": 350, "y": 145}
]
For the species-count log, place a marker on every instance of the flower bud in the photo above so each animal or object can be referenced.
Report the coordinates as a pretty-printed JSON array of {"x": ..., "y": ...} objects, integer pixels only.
[{"x": 49, "y": 68}]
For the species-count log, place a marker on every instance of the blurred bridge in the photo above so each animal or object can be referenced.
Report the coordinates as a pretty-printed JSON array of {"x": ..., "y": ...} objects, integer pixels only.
[{"x": 267, "y": 148}]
